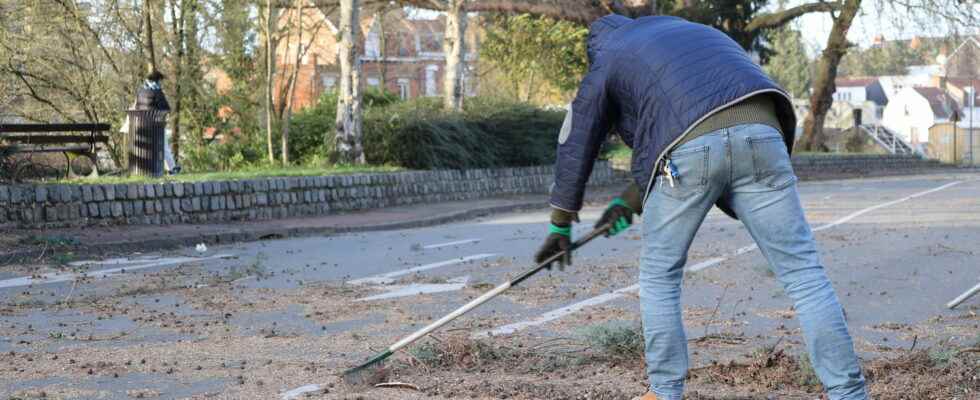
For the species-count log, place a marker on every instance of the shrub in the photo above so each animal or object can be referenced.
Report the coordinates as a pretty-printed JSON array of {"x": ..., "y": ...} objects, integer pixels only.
[{"x": 419, "y": 134}]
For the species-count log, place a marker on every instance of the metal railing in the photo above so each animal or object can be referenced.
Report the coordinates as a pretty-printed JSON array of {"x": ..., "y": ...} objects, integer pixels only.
[{"x": 887, "y": 139}]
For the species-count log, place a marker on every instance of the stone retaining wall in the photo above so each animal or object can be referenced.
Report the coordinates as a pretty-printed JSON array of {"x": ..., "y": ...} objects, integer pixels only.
[
  {"x": 810, "y": 167},
  {"x": 45, "y": 205}
]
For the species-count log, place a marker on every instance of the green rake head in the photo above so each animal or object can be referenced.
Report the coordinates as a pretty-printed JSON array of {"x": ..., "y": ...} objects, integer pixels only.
[{"x": 368, "y": 374}]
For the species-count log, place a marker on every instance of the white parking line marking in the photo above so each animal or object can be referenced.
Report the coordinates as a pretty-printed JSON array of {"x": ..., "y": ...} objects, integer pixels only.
[
  {"x": 419, "y": 288},
  {"x": 561, "y": 312},
  {"x": 458, "y": 242},
  {"x": 55, "y": 277},
  {"x": 883, "y": 205},
  {"x": 292, "y": 394},
  {"x": 706, "y": 263},
  {"x": 606, "y": 297},
  {"x": 389, "y": 277}
]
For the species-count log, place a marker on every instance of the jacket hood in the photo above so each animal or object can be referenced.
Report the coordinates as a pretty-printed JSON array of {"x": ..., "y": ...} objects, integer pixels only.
[{"x": 600, "y": 29}]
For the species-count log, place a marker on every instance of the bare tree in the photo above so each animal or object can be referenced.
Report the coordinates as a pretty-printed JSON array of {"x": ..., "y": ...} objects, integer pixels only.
[
  {"x": 180, "y": 12},
  {"x": 348, "y": 126},
  {"x": 270, "y": 32},
  {"x": 454, "y": 46},
  {"x": 826, "y": 72}
]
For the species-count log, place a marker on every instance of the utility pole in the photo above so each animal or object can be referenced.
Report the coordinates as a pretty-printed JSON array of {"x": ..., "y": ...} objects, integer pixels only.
[{"x": 973, "y": 110}]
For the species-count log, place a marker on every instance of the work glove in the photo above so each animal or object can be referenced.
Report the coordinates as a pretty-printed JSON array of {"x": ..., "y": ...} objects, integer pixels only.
[
  {"x": 619, "y": 213},
  {"x": 559, "y": 239}
]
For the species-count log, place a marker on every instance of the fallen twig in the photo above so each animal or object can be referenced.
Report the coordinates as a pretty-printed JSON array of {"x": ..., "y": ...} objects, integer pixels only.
[
  {"x": 715, "y": 312},
  {"x": 398, "y": 385},
  {"x": 969, "y": 350},
  {"x": 74, "y": 283}
]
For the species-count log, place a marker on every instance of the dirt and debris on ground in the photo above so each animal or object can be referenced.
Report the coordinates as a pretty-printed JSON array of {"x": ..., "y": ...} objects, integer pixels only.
[{"x": 282, "y": 318}]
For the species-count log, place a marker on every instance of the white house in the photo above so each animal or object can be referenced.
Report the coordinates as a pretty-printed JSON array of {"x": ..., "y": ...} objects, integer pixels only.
[
  {"x": 917, "y": 75},
  {"x": 914, "y": 110},
  {"x": 865, "y": 93}
]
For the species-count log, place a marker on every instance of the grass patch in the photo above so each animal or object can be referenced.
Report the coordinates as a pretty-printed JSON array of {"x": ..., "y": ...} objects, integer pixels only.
[
  {"x": 243, "y": 174},
  {"x": 466, "y": 354},
  {"x": 806, "y": 376},
  {"x": 458, "y": 353},
  {"x": 53, "y": 241},
  {"x": 617, "y": 341}
]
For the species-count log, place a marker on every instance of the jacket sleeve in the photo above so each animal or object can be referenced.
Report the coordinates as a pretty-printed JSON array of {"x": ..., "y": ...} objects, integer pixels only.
[{"x": 583, "y": 133}]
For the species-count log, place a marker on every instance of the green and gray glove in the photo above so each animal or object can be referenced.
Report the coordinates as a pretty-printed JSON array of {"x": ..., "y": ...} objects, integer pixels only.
[
  {"x": 559, "y": 238},
  {"x": 619, "y": 213}
]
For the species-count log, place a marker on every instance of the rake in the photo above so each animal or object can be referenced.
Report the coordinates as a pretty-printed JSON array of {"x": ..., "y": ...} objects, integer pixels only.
[{"x": 369, "y": 371}]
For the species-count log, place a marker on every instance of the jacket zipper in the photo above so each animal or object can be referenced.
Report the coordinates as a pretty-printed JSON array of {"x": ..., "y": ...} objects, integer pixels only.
[{"x": 669, "y": 147}]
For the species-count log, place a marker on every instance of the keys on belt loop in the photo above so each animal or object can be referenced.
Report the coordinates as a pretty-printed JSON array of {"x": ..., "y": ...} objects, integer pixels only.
[{"x": 670, "y": 172}]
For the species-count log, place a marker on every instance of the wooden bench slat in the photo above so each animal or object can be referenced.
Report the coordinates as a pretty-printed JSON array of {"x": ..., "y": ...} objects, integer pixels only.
[
  {"x": 53, "y": 139},
  {"x": 28, "y": 128},
  {"x": 47, "y": 149}
]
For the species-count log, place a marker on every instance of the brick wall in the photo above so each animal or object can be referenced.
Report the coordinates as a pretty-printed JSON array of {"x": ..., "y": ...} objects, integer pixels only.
[{"x": 261, "y": 199}]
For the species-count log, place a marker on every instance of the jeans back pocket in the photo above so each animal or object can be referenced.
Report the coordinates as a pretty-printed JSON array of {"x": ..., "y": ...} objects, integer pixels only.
[
  {"x": 770, "y": 161},
  {"x": 691, "y": 165}
]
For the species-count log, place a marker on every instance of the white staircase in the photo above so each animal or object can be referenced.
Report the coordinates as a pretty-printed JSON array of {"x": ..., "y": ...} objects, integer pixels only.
[{"x": 887, "y": 139}]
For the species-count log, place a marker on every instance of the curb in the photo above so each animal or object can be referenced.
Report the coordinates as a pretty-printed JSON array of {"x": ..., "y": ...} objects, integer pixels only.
[
  {"x": 273, "y": 233},
  {"x": 258, "y": 234}
]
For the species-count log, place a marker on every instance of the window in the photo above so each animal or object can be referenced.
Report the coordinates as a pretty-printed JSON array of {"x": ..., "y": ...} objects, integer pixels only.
[
  {"x": 372, "y": 45},
  {"x": 374, "y": 82},
  {"x": 430, "y": 79},
  {"x": 404, "y": 44},
  {"x": 404, "y": 90},
  {"x": 430, "y": 42},
  {"x": 328, "y": 81}
]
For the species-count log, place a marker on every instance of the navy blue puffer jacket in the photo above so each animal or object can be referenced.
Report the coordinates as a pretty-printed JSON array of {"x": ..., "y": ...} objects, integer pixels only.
[{"x": 652, "y": 80}]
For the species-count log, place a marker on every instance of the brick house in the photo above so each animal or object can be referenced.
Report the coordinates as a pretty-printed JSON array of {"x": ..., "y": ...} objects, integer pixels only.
[{"x": 411, "y": 63}]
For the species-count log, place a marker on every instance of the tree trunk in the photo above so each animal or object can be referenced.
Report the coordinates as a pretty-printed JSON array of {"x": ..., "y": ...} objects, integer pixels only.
[
  {"x": 270, "y": 70},
  {"x": 454, "y": 46},
  {"x": 178, "y": 22},
  {"x": 291, "y": 89},
  {"x": 823, "y": 82},
  {"x": 348, "y": 127},
  {"x": 383, "y": 48}
]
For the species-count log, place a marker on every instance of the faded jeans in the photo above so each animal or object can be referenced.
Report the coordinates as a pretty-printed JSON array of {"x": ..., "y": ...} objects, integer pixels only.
[{"x": 747, "y": 166}]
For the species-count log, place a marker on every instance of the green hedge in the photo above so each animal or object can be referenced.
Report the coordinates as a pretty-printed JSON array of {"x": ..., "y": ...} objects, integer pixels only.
[{"x": 419, "y": 134}]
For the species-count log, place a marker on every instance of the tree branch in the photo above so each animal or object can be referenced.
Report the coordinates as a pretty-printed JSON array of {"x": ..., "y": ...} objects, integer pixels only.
[{"x": 780, "y": 18}]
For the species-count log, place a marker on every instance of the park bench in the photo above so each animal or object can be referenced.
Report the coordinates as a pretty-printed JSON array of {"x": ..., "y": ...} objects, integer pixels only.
[{"x": 70, "y": 139}]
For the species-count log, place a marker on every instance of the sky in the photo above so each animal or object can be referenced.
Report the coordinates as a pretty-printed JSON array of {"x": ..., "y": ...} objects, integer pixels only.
[
  {"x": 876, "y": 17},
  {"x": 873, "y": 21}
]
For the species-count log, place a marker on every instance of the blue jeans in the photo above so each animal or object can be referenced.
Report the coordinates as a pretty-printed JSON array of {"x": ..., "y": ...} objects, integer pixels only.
[{"x": 747, "y": 166}]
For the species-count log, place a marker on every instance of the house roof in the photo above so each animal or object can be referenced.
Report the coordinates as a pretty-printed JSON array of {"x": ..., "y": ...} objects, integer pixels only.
[
  {"x": 963, "y": 83},
  {"x": 943, "y": 106},
  {"x": 969, "y": 40},
  {"x": 857, "y": 81}
]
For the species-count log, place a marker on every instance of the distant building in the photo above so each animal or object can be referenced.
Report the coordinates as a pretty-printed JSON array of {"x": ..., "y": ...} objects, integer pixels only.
[
  {"x": 404, "y": 55},
  {"x": 916, "y": 75},
  {"x": 964, "y": 62},
  {"x": 915, "y": 110},
  {"x": 865, "y": 93}
]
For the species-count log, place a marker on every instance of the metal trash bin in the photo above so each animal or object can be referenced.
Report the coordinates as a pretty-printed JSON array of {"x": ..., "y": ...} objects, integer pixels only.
[{"x": 147, "y": 123}]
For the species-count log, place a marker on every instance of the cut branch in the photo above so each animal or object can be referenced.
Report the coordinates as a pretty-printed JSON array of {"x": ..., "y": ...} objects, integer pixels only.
[{"x": 780, "y": 18}]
